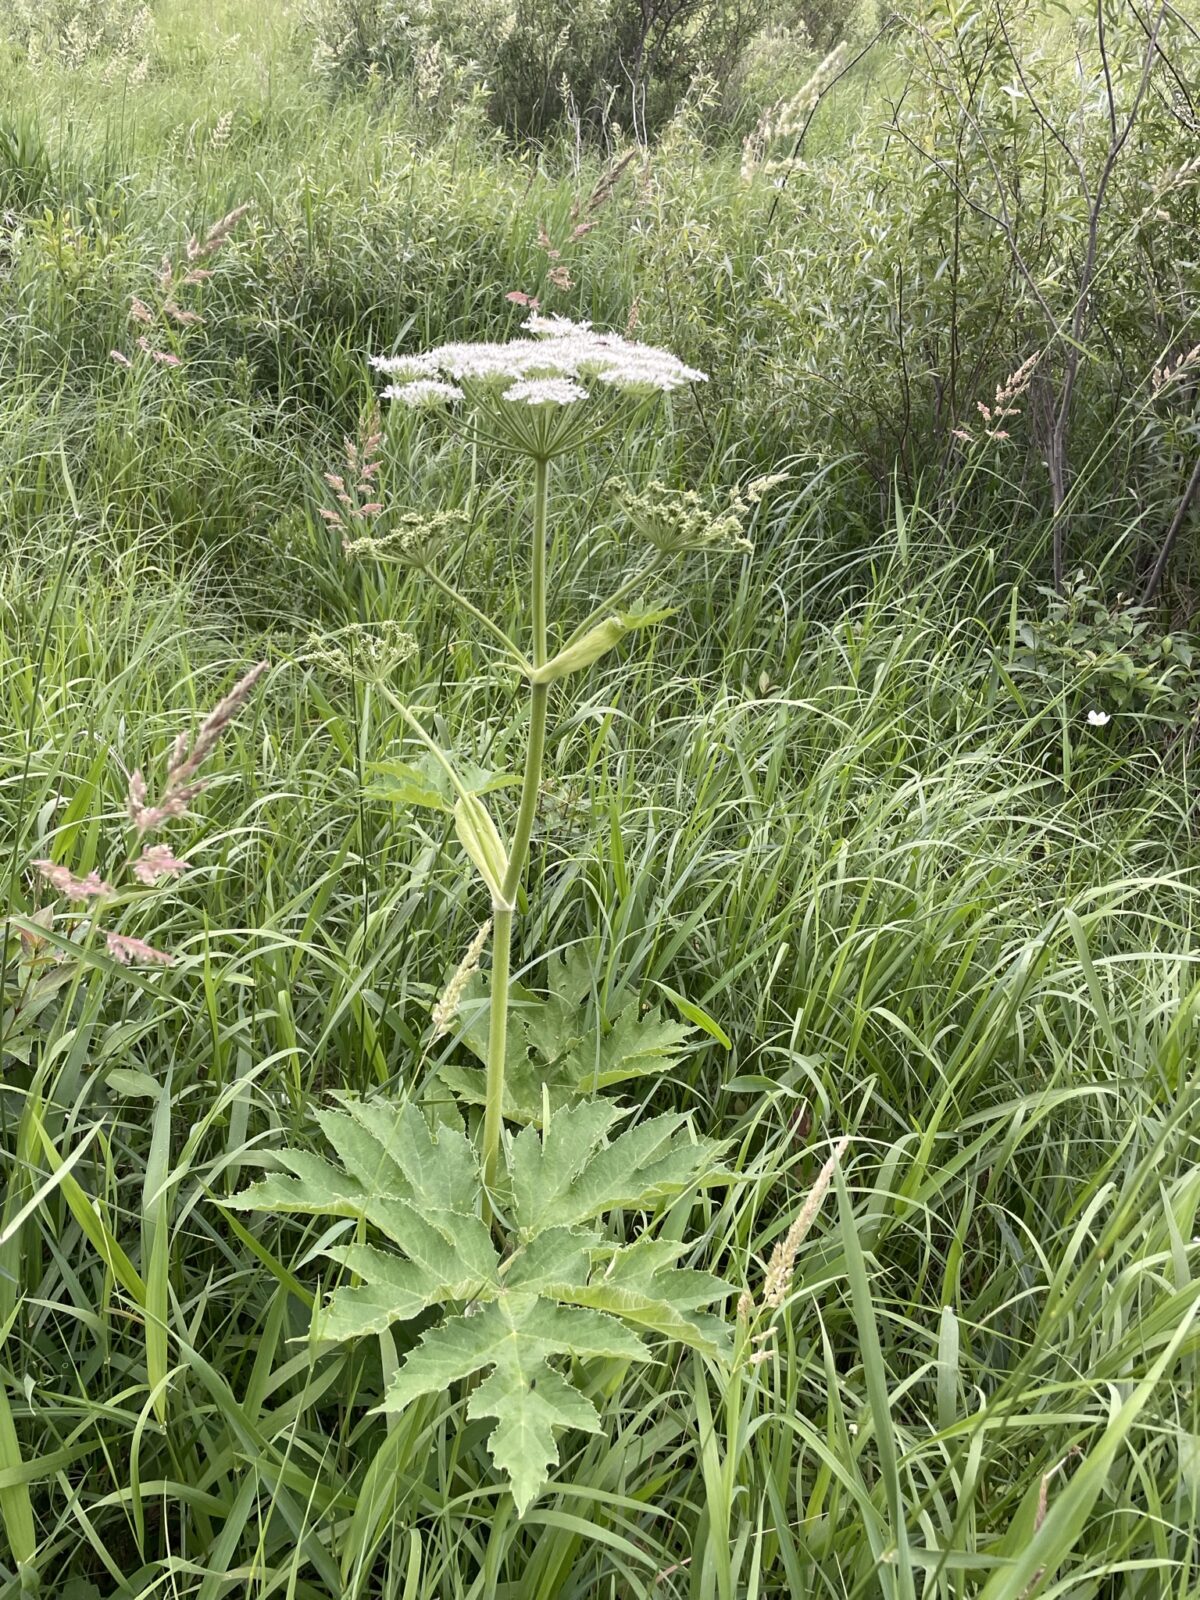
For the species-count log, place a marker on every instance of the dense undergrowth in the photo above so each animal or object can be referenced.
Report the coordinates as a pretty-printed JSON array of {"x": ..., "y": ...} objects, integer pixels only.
[{"x": 903, "y": 837}]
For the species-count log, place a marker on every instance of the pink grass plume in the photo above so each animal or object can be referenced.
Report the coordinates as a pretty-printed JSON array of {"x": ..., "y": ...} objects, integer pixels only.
[
  {"x": 128, "y": 950},
  {"x": 65, "y": 881}
]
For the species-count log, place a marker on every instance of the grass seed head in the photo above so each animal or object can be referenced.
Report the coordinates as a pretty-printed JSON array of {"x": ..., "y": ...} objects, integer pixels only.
[
  {"x": 446, "y": 1009},
  {"x": 186, "y": 759},
  {"x": 127, "y": 950},
  {"x": 780, "y": 1269},
  {"x": 67, "y": 884}
]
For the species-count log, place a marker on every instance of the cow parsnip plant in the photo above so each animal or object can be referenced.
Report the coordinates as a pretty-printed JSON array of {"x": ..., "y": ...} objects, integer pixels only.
[
  {"x": 521, "y": 1245},
  {"x": 540, "y": 397}
]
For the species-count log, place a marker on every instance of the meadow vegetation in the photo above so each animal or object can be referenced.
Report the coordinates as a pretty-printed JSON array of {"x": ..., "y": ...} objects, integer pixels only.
[{"x": 816, "y": 734}]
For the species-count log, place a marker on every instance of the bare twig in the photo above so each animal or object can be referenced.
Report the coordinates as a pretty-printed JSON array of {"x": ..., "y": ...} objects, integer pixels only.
[
  {"x": 1164, "y": 554},
  {"x": 1057, "y": 462},
  {"x": 837, "y": 78}
]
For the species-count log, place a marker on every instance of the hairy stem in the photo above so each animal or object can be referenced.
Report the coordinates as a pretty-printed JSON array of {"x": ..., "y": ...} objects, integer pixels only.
[
  {"x": 502, "y": 921},
  {"x": 503, "y": 909}
]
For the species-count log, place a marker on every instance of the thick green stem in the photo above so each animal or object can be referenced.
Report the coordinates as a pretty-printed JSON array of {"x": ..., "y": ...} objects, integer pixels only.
[
  {"x": 502, "y": 921},
  {"x": 535, "y": 749},
  {"x": 541, "y": 499},
  {"x": 504, "y": 907}
]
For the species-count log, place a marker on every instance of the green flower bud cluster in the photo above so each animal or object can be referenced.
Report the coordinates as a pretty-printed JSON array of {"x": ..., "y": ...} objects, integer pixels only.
[
  {"x": 362, "y": 651},
  {"x": 413, "y": 540},
  {"x": 678, "y": 520}
]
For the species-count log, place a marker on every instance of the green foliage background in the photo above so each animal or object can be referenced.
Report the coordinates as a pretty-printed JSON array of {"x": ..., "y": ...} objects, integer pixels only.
[{"x": 847, "y": 803}]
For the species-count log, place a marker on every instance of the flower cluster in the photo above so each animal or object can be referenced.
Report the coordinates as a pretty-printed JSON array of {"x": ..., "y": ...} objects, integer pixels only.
[
  {"x": 678, "y": 520},
  {"x": 546, "y": 391},
  {"x": 543, "y": 370},
  {"x": 362, "y": 651},
  {"x": 414, "y": 540},
  {"x": 420, "y": 392}
]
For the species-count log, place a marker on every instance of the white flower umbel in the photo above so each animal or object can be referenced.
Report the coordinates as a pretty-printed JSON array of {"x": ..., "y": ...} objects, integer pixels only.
[
  {"x": 546, "y": 391},
  {"x": 357, "y": 651},
  {"x": 562, "y": 349},
  {"x": 554, "y": 369},
  {"x": 419, "y": 366},
  {"x": 423, "y": 392},
  {"x": 674, "y": 521},
  {"x": 554, "y": 325}
]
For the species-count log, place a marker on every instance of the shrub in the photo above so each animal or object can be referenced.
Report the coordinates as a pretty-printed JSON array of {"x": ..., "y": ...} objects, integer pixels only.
[
  {"x": 597, "y": 61},
  {"x": 1096, "y": 658},
  {"x": 920, "y": 268},
  {"x": 73, "y": 32}
]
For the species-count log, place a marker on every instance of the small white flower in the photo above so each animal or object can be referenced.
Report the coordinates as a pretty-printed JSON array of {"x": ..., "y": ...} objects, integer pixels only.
[
  {"x": 1098, "y": 719},
  {"x": 558, "y": 327},
  {"x": 423, "y": 392},
  {"x": 546, "y": 391},
  {"x": 418, "y": 366}
]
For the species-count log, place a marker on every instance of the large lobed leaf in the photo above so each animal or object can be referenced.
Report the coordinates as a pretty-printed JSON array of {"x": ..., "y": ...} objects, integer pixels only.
[
  {"x": 553, "y": 1057},
  {"x": 564, "y": 1290},
  {"x": 514, "y": 1336}
]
